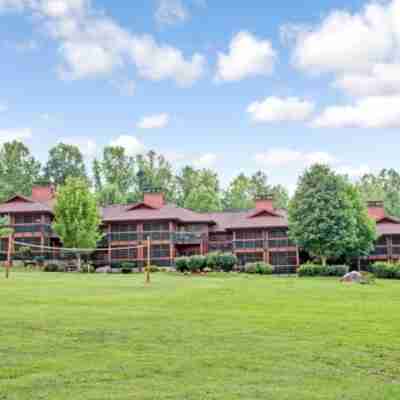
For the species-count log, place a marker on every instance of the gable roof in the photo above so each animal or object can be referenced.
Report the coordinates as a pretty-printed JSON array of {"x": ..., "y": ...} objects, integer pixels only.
[
  {"x": 24, "y": 204},
  {"x": 250, "y": 219},
  {"x": 168, "y": 212}
]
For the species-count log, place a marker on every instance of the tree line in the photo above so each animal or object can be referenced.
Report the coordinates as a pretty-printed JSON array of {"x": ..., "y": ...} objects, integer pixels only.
[{"x": 118, "y": 178}]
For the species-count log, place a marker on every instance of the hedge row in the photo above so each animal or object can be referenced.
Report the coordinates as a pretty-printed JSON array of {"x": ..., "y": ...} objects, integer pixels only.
[
  {"x": 320, "y": 270},
  {"x": 386, "y": 270},
  {"x": 213, "y": 261},
  {"x": 260, "y": 268}
]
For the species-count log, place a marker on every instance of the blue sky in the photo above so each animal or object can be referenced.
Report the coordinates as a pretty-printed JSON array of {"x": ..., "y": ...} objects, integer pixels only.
[{"x": 236, "y": 87}]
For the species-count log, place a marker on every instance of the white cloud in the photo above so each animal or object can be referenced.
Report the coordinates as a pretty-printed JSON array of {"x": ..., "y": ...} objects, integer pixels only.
[
  {"x": 279, "y": 157},
  {"x": 206, "y": 160},
  {"x": 275, "y": 109},
  {"x": 7, "y": 135},
  {"x": 156, "y": 121},
  {"x": 87, "y": 146},
  {"x": 131, "y": 144},
  {"x": 248, "y": 56},
  {"x": 347, "y": 42},
  {"x": 93, "y": 45},
  {"x": 171, "y": 12},
  {"x": 382, "y": 79},
  {"x": 369, "y": 112}
]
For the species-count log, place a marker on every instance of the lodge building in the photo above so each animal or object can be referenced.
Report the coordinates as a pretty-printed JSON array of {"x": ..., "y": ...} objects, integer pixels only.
[{"x": 260, "y": 234}]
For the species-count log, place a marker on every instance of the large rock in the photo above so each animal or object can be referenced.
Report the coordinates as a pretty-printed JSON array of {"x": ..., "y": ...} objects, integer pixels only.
[
  {"x": 351, "y": 277},
  {"x": 103, "y": 270}
]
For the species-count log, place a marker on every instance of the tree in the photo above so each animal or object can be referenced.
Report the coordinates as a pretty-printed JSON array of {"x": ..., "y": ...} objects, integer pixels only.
[
  {"x": 366, "y": 227},
  {"x": 109, "y": 195},
  {"x": 198, "y": 190},
  {"x": 18, "y": 170},
  {"x": 326, "y": 217},
  {"x": 203, "y": 199},
  {"x": 64, "y": 161},
  {"x": 383, "y": 186},
  {"x": 115, "y": 169},
  {"x": 155, "y": 174},
  {"x": 243, "y": 191},
  {"x": 76, "y": 216}
]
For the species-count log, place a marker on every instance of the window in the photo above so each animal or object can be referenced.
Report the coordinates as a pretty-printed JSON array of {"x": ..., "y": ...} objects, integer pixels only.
[
  {"x": 249, "y": 235},
  {"x": 246, "y": 258},
  {"x": 278, "y": 233},
  {"x": 249, "y": 244},
  {"x": 28, "y": 219},
  {"x": 124, "y": 254},
  {"x": 283, "y": 258},
  {"x": 155, "y": 227}
]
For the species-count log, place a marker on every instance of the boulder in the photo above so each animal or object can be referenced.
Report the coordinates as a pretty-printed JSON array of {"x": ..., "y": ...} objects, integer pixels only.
[
  {"x": 352, "y": 277},
  {"x": 103, "y": 270}
]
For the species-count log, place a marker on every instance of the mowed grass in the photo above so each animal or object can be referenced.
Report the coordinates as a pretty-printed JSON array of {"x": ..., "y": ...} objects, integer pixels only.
[{"x": 75, "y": 336}]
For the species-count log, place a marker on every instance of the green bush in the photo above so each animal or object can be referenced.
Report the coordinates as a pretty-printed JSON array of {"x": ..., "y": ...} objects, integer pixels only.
[
  {"x": 181, "y": 264},
  {"x": 197, "y": 263},
  {"x": 116, "y": 265},
  {"x": 51, "y": 267},
  {"x": 227, "y": 261},
  {"x": 260, "y": 267},
  {"x": 87, "y": 269},
  {"x": 127, "y": 267},
  {"x": 154, "y": 268},
  {"x": 213, "y": 260},
  {"x": 311, "y": 269},
  {"x": 386, "y": 270}
]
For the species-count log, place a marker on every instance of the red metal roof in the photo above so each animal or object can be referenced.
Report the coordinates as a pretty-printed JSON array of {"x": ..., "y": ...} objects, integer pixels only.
[{"x": 24, "y": 204}]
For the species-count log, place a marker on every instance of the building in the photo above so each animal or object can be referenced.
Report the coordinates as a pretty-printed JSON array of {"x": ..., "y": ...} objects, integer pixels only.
[
  {"x": 260, "y": 234},
  {"x": 387, "y": 247},
  {"x": 254, "y": 235}
]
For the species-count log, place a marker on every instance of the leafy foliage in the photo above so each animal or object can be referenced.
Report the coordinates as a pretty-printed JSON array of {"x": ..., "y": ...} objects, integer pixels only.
[
  {"x": 65, "y": 161},
  {"x": 386, "y": 270},
  {"x": 260, "y": 268},
  {"x": 322, "y": 270},
  {"x": 77, "y": 218},
  {"x": 327, "y": 217},
  {"x": 18, "y": 170}
]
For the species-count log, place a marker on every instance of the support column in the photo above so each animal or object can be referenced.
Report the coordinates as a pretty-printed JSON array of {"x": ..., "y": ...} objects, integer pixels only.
[
  {"x": 171, "y": 243},
  {"x": 109, "y": 254},
  {"x": 140, "y": 253}
]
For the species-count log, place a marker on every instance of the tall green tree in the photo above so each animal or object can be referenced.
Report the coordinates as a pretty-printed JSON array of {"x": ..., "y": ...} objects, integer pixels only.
[
  {"x": 109, "y": 195},
  {"x": 65, "y": 160},
  {"x": 155, "y": 173},
  {"x": 18, "y": 170},
  {"x": 115, "y": 169},
  {"x": 382, "y": 186},
  {"x": 243, "y": 191},
  {"x": 76, "y": 216},
  {"x": 325, "y": 215},
  {"x": 198, "y": 189}
]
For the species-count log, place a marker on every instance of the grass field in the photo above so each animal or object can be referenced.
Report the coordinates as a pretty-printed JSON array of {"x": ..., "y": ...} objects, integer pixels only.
[{"x": 75, "y": 336}]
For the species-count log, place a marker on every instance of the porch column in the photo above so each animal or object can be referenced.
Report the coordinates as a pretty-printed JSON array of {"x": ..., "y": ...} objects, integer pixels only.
[
  {"x": 140, "y": 253},
  {"x": 171, "y": 243},
  {"x": 109, "y": 255}
]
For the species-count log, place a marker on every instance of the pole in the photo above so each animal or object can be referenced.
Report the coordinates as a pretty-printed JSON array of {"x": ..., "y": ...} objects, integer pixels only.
[
  {"x": 8, "y": 263},
  {"x": 147, "y": 269}
]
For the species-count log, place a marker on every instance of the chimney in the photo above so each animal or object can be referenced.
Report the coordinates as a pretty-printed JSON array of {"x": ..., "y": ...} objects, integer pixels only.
[
  {"x": 43, "y": 193},
  {"x": 155, "y": 200},
  {"x": 264, "y": 203},
  {"x": 376, "y": 209}
]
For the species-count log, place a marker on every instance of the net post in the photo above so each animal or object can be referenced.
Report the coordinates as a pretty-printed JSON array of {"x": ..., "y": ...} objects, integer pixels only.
[{"x": 147, "y": 269}]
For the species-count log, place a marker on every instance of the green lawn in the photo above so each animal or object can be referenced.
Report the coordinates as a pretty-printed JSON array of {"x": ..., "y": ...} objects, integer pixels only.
[{"x": 79, "y": 337}]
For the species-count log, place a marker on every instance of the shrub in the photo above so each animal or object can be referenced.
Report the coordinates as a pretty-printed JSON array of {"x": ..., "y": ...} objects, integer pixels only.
[
  {"x": 227, "y": 261},
  {"x": 51, "y": 267},
  {"x": 87, "y": 269},
  {"x": 213, "y": 260},
  {"x": 386, "y": 270},
  {"x": 367, "y": 278},
  {"x": 310, "y": 269},
  {"x": 116, "y": 265},
  {"x": 182, "y": 264},
  {"x": 197, "y": 263},
  {"x": 154, "y": 268},
  {"x": 258, "y": 268},
  {"x": 127, "y": 267}
]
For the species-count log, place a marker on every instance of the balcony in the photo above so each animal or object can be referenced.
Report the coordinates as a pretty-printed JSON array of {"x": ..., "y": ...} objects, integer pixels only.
[
  {"x": 187, "y": 238},
  {"x": 32, "y": 228}
]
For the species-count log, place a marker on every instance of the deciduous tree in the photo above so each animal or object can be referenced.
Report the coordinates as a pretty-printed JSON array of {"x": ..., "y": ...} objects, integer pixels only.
[
  {"x": 76, "y": 216},
  {"x": 64, "y": 161}
]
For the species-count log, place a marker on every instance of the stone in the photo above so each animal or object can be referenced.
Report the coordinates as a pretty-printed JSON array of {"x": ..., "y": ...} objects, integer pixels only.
[
  {"x": 103, "y": 270},
  {"x": 352, "y": 277}
]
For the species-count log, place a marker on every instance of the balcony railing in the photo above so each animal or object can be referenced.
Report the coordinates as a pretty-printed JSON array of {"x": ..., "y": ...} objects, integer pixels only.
[
  {"x": 32, "y": 228},
  {"x": 186, "y": 238},
  {"x": 176, "y": 237}
]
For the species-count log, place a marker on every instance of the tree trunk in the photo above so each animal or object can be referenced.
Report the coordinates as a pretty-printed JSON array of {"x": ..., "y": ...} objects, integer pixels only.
[{"x": 323, "y": 261}]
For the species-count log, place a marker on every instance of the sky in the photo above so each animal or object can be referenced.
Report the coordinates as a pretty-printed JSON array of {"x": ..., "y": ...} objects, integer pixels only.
[{"x": 233, "y": 86}]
